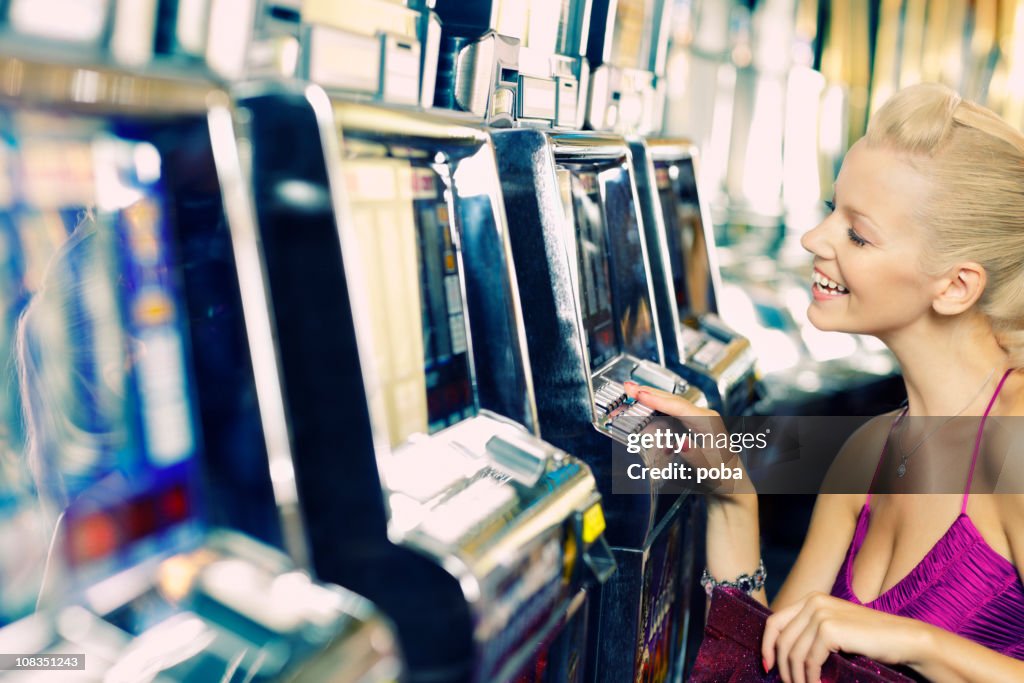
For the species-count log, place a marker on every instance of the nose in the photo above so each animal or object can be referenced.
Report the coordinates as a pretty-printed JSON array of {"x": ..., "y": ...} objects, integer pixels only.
[{"x": 817, "y": 240}]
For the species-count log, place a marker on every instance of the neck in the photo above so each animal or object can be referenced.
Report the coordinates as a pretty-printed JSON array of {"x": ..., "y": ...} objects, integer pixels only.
[{"x": 945, "y": 362}]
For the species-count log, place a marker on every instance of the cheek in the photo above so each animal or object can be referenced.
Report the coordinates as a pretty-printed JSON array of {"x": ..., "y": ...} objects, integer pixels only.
[{"x": 894, "y": 289}]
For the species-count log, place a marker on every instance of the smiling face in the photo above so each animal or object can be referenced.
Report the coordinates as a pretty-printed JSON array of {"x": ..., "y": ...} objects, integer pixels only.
[{"x": 868, "y": 277}]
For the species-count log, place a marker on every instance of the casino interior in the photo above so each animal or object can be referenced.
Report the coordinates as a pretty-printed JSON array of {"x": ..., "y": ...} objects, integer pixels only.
[{"x": 341, "y": 296}]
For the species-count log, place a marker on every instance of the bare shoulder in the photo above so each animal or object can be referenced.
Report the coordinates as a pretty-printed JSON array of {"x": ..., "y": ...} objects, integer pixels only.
[{"x": 854, "y": 465}]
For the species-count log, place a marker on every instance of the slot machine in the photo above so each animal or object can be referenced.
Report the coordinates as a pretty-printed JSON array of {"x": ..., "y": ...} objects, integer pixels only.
[
  {"x": 416, "y": 445},
  {"x": 627, "y": 50},
  {"x": 113, "y": 566},
  {"x": 684, "y": 267},
  {"x": 371, "y": 49},
  {"x": 591, "y": 324},
  {"x": 515, "y": 62}
]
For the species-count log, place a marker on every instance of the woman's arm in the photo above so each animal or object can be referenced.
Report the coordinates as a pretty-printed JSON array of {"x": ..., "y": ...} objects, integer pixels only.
[
  {"x": 733, "y": 531},
  {"x": 824, "y": 549},
  {"x": 835, "y": 514},
  {"x": 799, "y": 638},
  {"x": 733, "y": 538},
  {"x": 941, "y": 657}
]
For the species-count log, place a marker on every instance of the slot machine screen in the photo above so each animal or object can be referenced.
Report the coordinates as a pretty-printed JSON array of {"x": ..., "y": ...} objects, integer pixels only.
[
  {"x": 100, "y": 448},
  {"x": 592, "y": 264},
  {"x": 688, "y": 248},
  {"x": 631, "y": 293},
  {"x": 614, "y": 295},
  {"x": 414, "y": 288}
]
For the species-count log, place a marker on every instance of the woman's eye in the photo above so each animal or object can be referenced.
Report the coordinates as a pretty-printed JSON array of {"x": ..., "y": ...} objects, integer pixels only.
[{"x": 855, "y": 238}]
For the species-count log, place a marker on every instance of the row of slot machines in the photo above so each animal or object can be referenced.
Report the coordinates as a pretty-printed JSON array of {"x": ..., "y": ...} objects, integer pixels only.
[{"x": 384, "y": 345}]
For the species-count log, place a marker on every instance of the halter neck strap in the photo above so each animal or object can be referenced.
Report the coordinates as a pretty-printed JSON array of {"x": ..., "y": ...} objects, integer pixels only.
[
  {"x": 977, "y": 439},
  {"x": 974, "y": 454}
]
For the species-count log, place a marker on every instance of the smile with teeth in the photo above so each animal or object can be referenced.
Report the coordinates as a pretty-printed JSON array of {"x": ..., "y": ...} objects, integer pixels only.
[{"x": 827, "y": 286}]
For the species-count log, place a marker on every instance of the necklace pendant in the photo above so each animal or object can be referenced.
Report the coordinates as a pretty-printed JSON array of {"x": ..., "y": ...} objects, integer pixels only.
[{"x": 901, "y": 470}]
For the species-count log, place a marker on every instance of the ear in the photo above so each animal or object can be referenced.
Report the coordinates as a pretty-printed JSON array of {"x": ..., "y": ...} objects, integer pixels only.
[{"x": 960, "y": 289}]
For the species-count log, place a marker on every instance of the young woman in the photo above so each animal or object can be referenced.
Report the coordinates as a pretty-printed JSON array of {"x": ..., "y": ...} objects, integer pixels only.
[{"x": 924, "y": 249}]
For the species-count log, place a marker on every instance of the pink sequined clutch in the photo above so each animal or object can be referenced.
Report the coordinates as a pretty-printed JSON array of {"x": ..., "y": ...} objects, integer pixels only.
[{"x": 731, "y": 650}]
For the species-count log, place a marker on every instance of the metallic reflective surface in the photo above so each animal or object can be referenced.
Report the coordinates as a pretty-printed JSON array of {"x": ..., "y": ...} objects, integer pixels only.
[
  {"x": 545, "y": 253},
  {"x": 515, "y": 63},
  {"x": 425, "y": 520},
  {"x": 697, "y": 343},
  {"x": 100, "y": 89},
  {"x": 177, "y": 606}
]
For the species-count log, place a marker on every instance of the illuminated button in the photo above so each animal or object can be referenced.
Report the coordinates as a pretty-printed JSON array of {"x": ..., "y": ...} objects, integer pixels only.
[
  {"x": 93, "y": 537},
  {"x": 593, "y": 523},
  {"x": 175, "y": 504}
]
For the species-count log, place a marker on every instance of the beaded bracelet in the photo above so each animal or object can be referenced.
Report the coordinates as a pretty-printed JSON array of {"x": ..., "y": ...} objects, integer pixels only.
[{"x": 748, "y": 583}]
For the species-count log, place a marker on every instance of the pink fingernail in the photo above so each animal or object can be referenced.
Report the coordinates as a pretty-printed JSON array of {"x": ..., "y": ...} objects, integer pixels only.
[{"x": 764, "y": 663}]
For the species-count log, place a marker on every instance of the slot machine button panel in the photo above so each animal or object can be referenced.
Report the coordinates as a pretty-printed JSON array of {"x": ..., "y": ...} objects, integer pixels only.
[{"x": 655, "y": 376}]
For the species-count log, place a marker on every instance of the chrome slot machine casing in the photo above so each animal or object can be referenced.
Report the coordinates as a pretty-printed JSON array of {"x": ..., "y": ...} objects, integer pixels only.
[
  {"x": 228, "y": 37},
  {"x": 515, "y": 62},
  {"x": 477, "y": 538},
  {"x": 627, "y": 50},
  {"x": 638, "y": 621},
  {"x": 182, "y": 605},
  {"x": 698, "y": 344},
  {"x": 375, "y": 49}
]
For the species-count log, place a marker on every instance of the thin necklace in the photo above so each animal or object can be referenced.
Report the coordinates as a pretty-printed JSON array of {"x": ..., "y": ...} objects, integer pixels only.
[{"x": 901, "y": 469}]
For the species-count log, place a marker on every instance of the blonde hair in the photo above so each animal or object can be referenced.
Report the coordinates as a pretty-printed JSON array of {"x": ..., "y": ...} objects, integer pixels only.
[{"x": 975, "y": 209}]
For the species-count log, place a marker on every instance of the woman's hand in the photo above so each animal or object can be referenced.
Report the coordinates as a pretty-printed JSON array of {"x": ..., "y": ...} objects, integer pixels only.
[
  {"x": 706, "y": 428},
  {"x": 670, "y": 404},
  {"x": 799, "y": 638}
]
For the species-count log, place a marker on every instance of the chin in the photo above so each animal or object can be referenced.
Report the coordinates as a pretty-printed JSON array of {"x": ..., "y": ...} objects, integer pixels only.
[
  {"x": 824, "y": 324},
  {"x": 820, "y": 320},
  {"x": 831, "y": 323}
]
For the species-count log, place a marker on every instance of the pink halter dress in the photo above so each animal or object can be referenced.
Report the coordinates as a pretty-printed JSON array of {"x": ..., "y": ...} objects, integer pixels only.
[{"x": 961, "y": 584}]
